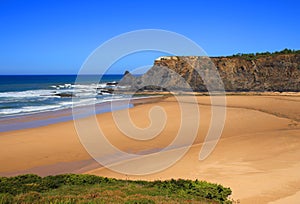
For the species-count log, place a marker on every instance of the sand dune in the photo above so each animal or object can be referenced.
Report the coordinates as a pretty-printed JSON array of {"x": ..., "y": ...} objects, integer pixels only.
[{"x": 258, "y": 155}]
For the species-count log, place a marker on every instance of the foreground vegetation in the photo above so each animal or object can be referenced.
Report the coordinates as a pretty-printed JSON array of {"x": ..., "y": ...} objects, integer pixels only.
[{"x": 74, "y": 188}]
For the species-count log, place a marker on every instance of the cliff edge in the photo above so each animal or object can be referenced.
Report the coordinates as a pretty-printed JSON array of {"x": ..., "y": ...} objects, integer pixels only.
[{"x": 279, "y": 72}]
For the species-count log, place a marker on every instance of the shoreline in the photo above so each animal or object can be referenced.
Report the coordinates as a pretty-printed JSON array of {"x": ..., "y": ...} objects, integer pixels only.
[
  {"x": 34, "y": 120},
  {"x": 44, "y": 118}
]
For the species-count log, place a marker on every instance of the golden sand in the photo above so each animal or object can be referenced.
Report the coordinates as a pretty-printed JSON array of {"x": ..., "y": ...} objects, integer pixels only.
[{"x": 258, "y": 155}]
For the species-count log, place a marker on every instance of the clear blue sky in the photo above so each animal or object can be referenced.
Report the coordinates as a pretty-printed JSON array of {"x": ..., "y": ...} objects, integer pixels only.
[{"x": 56, "y": 36}]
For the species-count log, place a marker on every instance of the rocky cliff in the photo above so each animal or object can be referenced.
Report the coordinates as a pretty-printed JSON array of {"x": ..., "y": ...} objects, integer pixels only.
[
  {"x": 269, "y": 73},
  {"x": 279, "y": 72}
]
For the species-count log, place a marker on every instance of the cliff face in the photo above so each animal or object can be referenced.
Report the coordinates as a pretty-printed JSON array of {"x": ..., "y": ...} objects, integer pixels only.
[{"x": 269, "y": 73}]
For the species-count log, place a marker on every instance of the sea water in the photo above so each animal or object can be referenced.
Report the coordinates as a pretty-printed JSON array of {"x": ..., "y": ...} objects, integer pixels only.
[{"x": 23, "y": 98}]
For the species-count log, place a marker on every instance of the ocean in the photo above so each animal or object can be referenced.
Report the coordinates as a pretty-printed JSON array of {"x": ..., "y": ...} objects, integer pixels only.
[{"x": 26, "y": 96}]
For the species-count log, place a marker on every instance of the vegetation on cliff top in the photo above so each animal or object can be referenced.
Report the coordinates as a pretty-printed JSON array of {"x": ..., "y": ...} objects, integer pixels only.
[
  {"x": 253, "y": 56},
  {"x": 74, "y": 188}
]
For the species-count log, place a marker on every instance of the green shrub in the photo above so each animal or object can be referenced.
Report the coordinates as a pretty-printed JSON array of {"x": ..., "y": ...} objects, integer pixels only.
[
  {"x": 253, "y": 56},
  {"x": 29, "y": 197},
  {"x": 140, "y": 201},
  {"x": 73, "y": 188},
  {"x": 6, "y": 198},
  {"x": 21, "y": 184}
]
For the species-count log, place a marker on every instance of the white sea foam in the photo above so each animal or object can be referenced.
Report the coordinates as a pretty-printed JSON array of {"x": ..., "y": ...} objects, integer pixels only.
[
  {"x": 87, "y": 90},
  {"x": 28, "y": 109},
  {"x": 81, "y": 102},
  {"x": 67, "y": 103},
  {"x": 49, "y": 99},
  {"x": 30, "y": 93},
  {"x": 61, "y": 86}
]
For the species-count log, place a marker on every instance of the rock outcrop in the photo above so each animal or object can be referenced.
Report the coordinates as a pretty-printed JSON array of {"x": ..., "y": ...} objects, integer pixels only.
[
  {"x": 271, "y": 73},
  {"x": 279, "y": 72}
]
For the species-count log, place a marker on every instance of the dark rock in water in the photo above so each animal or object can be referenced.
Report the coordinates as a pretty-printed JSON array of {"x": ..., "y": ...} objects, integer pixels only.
[
  {"x": 65, "y": 95},
  {"x": 152, "y": 88},
  {"x": 100, "y": 91},
  {"x": 126, "y": 72},
  {"x": 111, "y": 83},
  {"x": 109, "y": 90}
]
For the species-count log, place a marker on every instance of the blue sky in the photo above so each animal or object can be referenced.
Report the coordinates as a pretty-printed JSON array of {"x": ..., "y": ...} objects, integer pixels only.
[{"x": 56, "y": 36}]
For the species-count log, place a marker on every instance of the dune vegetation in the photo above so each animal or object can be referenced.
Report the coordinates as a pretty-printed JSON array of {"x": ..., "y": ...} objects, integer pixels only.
[{"x": 75, "y": 188}]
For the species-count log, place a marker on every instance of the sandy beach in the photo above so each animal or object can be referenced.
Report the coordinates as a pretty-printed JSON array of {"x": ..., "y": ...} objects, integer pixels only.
[{"x": 258, "y": 155}]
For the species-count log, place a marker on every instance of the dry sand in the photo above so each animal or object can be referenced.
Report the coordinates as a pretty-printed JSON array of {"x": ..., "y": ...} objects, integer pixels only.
[{"x": 258, "y": 155}]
